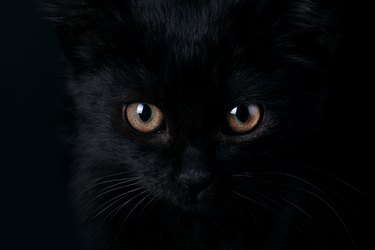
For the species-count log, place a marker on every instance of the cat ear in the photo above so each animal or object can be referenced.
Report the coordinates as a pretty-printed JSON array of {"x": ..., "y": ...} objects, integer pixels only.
[
  {"x": 301, "y": 30},
  {"x": 316, "y": 19},
  {"x": 74, "y": 19}
]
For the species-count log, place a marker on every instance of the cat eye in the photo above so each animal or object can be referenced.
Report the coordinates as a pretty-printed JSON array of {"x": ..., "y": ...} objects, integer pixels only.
[
  {"x": 244, "y": 118},
  {"x": 143, "y": 117}
]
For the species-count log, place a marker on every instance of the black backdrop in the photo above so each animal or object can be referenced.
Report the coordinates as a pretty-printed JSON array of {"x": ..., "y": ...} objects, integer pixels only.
[{"x": 32, "y": 202}]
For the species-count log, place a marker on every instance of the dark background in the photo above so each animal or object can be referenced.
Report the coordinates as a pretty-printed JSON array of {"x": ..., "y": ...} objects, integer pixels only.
[{"x": 33, "y": 203}]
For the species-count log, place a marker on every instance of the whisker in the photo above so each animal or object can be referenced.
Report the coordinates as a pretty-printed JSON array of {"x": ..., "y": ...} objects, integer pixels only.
[
  {"x": 139, "y": 203},
  {"x": 277, "y": 204},
  {"x": 330, "y": 207},
  {"x": 251, "y": 213},
  {"x": 104, "y": 177},
  {"x": 114, "y": 212},
  {"x": 337, "y": 216},
  {"x": 252, "y": 200},
  {"x": 109, "y": 191},
  {"x": 298, "y": 207},
  {"x": 322, "y": 172},
  {"x": 95, "y": 182},
  {"x": 306, "y": 224},
  {"x": 267, "y": 181},
  {"x": 118, "y": 198},
  {"x": 124, "y": 181},
  {"x": 342, "y": 181},
  {"x": 294, "y": 177},
  {"x": 148, "y": 203}
]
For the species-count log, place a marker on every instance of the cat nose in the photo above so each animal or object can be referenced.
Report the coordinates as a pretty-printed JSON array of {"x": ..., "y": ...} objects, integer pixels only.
[{"x": 195, "y": 182}]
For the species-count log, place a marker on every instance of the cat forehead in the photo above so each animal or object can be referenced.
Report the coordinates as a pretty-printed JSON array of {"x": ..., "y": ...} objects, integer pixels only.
[
  {"x": 177, "y": 30},
  {"x": 176, "y": 47},
  {"x": 191, "y": 88},
  {"x": 181, "y": 30},
  {"x": 187, "y": 19}
]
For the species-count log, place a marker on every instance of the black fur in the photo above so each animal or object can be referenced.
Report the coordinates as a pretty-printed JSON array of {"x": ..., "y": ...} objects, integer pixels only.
[{"x": 195, "y": 60}]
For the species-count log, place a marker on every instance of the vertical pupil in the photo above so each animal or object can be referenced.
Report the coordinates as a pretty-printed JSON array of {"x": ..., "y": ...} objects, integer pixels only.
[
  {"x": 242, "y": 113},
  {"x": 144, "y": 112}
]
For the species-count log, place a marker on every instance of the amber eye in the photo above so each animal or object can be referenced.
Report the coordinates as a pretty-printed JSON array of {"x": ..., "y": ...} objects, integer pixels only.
[
  {"x": 244, "y": 118},
  {"x": 143, "y": 117}
]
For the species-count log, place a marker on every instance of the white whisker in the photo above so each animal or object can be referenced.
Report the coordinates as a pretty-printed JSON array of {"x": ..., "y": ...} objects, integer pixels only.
[{"x": 118, "y": 198}]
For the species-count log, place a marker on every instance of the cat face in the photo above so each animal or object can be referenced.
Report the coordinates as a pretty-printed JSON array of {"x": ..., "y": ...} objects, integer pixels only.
[{"x": 181, "y": 103}]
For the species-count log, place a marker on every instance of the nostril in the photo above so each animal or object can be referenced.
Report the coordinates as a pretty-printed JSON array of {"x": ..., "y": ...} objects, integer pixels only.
[{"x": 195, "y": 183}]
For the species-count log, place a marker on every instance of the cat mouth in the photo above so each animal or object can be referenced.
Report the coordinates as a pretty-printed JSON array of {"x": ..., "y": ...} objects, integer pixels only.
[
  {"x": 191, "y": 198},
  {"x": 195, "y": 202}
]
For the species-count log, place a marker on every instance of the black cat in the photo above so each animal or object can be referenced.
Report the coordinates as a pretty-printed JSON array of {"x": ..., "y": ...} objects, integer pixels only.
[{"x": 198, "y": 123}]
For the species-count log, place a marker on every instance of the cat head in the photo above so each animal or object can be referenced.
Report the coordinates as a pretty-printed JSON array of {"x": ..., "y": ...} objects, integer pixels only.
[{"x": 185, "y": 97}]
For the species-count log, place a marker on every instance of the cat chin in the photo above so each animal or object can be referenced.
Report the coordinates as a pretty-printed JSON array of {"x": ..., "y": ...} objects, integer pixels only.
[{"x": 195, "y": 205}]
